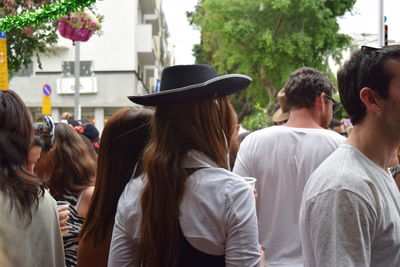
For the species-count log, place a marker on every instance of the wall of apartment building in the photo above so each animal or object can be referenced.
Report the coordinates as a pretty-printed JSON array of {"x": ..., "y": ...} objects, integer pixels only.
[{"x": 116, "y": 70}]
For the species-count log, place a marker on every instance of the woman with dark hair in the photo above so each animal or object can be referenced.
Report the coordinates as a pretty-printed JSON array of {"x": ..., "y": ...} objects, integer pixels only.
[
  {"x": 29, "y": 227},
  {"x": 69, "y": 175},
  {"x": 122, "y": 143},
  {"x": 188, "y": 209},
  {"x": 34, "y": 153},
  {"x": 45, "y": 131}
]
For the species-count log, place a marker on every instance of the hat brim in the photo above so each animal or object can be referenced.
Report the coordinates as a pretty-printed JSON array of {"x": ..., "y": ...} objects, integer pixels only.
[
  {"x": 221, "y": 85},
  {"x": 280, "y": 116}
]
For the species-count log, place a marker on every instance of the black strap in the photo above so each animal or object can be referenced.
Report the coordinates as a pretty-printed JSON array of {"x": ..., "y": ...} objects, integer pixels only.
[{"x": 189, "y": 256}]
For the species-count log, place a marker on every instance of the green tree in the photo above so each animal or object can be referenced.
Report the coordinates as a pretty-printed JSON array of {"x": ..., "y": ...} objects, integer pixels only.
[
  {"x": 24, "y": 45},
  {"x": 267, "y": 40}
]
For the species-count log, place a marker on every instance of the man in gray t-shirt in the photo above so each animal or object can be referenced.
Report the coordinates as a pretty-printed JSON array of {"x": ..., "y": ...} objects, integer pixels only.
[{"x": 350, "y": 211}]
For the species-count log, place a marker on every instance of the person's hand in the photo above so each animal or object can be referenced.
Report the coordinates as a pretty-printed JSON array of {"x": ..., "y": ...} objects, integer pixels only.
[
  {"x": 63, "y": 215},
  {"x": 262, "y": 257},
  {"x": 255, "y": 193}
]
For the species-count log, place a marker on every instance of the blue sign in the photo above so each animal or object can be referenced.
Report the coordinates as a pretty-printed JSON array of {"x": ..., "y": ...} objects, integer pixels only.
[
  {"x": 2, "y": 35},
  {"x": 46, "y": 90},
  {"x": 157, "y": 89}
]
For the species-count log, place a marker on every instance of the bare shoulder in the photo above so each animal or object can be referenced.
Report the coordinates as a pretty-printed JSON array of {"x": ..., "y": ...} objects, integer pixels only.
[
  {"x": 88, "y": 192},
  {"x": 86, "y": 198}
]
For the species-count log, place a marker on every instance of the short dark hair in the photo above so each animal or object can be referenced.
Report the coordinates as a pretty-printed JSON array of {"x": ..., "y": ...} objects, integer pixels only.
[
  {"x": 38, "y": 141},
  {"x": 365, "y": 68},
  {"x": 42, "y": 131},
  {"x": 334, "y": 123},
  {"x": 304, "y": 85}
]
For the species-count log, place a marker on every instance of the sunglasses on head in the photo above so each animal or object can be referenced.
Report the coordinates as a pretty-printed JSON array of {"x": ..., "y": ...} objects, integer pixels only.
[
  {"x": 335, "y": 103},
  {"x": 366, "y": 48}
]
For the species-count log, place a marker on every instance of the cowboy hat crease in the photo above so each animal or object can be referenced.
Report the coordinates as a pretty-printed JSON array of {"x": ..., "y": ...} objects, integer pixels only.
[{"x": 183, "y": 82}]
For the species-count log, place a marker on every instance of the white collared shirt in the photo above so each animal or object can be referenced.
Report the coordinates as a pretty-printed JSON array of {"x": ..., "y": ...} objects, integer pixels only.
[{"x": 217, "y": 216}]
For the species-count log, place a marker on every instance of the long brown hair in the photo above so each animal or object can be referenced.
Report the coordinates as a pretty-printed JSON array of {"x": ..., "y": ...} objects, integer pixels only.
[
  {"x": 16, "y": 132},
  {"x": 123, "y": 140},
  {"x": 72, "y": 165},
  {"x": 177, "y": 128}
]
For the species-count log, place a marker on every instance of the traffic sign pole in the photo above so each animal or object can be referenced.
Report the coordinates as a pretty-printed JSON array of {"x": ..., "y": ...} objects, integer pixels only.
[
  {"x": 77, "y": 107},
  {"x": 46, "y": 100}
]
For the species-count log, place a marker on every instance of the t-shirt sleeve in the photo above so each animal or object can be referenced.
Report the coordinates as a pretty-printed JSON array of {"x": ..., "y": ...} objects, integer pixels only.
[
  {"x": 337, "y": 229},
  {"x": 241, "y": 247},
  {"x": 242, "y": 164},
  {"x": 121, "y": 248}
]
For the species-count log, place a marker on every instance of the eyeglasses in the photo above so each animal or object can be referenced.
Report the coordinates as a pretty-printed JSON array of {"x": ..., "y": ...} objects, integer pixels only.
[{"x": 334, "y": 102}]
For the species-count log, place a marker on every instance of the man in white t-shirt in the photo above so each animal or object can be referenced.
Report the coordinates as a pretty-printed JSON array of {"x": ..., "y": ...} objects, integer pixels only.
[
  {"x": 283, "y": 157},
  {"x": 350, "y": 211}
]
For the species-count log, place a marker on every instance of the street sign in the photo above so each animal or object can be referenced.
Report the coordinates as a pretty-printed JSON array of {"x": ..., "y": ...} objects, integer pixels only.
[
  {"x": 46, "y": 105},
  {"x": 157, "y": 89},
  {"x": 3, "y": 58},
  {"x": 47, "y": 90}
]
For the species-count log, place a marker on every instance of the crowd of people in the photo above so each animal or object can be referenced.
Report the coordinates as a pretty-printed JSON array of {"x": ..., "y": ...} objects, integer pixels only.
[{"x": 167, "y": 183}]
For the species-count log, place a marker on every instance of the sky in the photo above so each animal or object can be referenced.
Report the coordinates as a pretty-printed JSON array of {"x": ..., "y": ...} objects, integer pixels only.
[
  {"x": 182, "y": 35},
  {"x": 363, "y": 19}
]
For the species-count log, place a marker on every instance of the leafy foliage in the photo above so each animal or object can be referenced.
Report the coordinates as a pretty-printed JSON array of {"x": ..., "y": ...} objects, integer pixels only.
[
  {"x": 23, "y": 45},
  {"x": 267, "y": 40},
  {"x": 46, "y": 13}
]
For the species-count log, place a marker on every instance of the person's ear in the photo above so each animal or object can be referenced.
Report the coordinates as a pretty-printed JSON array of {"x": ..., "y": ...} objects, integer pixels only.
[
  {"x": 371, "y": 99},
  {"x": 320, "y": 100},
  {"x": 237, "y": 128}
]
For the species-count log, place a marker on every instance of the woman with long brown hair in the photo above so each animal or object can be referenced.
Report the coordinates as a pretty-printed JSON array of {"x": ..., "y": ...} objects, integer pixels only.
[
  {"x": 122, "y": 143},
  {"x": 188, "y": 209},
  {"x": 70, "y": 176},
  {"x": 29, "y": 227}
]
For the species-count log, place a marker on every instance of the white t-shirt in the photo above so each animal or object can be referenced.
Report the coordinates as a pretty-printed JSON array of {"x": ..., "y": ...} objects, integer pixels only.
[
  {"x": 282, "y": 159},
  {"x": 350, "y": 213},
  {"x": 217, "y": 216}
]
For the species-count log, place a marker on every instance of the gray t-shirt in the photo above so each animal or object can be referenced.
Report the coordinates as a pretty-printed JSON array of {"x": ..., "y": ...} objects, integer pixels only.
[
  {"x": 350, "y": 213},
  {"x": 37, "y": 244}
]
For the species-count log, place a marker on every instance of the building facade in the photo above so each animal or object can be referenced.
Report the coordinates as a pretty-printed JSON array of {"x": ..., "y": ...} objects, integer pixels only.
[{"x": 126, "y": 59}]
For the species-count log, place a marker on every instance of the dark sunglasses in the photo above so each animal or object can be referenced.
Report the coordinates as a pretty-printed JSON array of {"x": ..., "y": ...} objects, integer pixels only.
[{"x": 335, "y": 103}]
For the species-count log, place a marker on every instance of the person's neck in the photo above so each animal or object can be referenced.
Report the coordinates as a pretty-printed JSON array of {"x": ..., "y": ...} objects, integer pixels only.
[
  {"x": 303, "y": 118},
  {"x": 374, "y": 143}
]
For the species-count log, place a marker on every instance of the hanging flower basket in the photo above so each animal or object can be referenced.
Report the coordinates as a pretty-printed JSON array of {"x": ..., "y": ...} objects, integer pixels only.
[{"x": 78, "y": 26}]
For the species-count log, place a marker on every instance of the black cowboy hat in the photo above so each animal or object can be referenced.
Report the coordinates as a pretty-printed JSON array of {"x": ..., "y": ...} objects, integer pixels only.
[{"x": 184, "y": 82}]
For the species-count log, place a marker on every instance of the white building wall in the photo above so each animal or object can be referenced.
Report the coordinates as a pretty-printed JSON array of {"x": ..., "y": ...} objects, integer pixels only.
[
  {"x": 120, "y": 57},
  {"x": 113, "y": 50}
]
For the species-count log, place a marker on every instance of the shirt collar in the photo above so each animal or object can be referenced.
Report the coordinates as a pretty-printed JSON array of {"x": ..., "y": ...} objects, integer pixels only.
[{"x": 197, "y": 159}]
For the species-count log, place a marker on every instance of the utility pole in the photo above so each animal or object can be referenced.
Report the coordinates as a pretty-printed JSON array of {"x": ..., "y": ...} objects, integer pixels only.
[
  {"x": 381, "y": 40},
  {"x": 77, "y": 67}
]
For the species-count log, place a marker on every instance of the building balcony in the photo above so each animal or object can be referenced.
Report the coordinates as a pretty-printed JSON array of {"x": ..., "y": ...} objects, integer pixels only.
[
  {"x": 153, "y": 19},
  {"x": 148, "y": 6},
  {"x": 157, "y": 47},
  {"x": 145, "y": 46}
]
